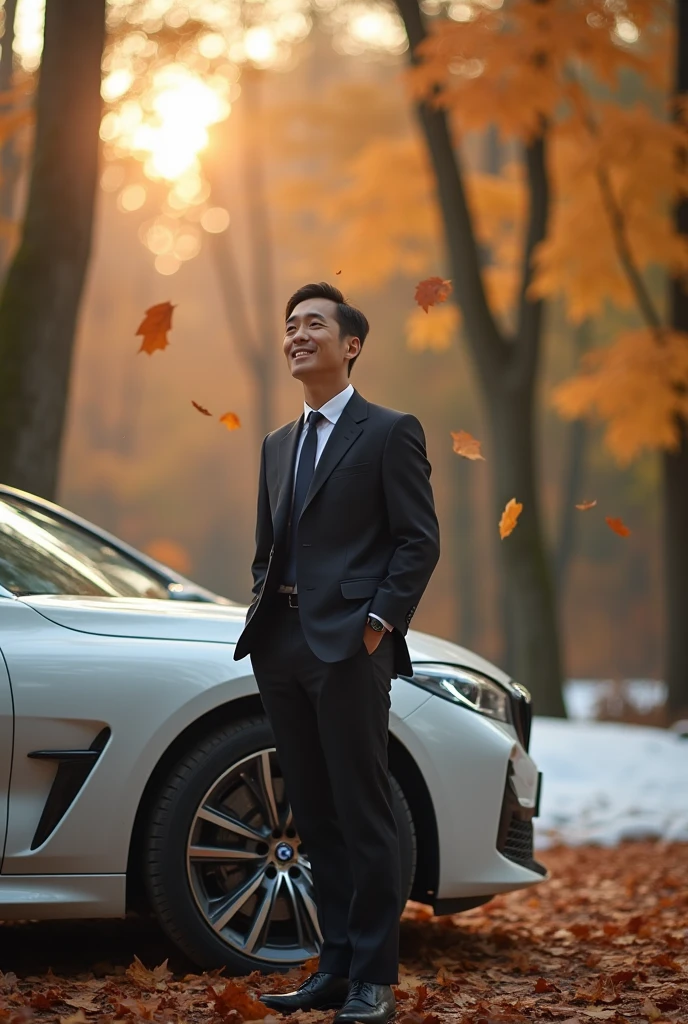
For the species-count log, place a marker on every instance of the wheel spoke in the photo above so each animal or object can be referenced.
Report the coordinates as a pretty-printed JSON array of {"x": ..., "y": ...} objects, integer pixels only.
[
  {"x": 265, "y": 777},
  {"x": 222, "y": 853},
  {"x": 232, "y": 824},
  {"x": 264, "y": 913},
  {"x": 297, "y": 912},
  {"x": 309, "y": 904},
  {"x": 288, "y": 819},
  {"x": 235, "y": 901}
]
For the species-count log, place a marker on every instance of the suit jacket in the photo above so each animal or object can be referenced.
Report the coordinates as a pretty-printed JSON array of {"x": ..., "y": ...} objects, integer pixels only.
[{"x": 367, "y": 537}]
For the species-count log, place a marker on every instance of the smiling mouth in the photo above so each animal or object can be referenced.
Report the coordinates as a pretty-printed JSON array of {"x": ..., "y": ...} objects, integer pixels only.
[{"x": 301, "y": 354}]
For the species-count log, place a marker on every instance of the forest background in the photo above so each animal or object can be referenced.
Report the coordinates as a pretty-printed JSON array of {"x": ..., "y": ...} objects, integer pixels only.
[{"x": 322, "y": 135}]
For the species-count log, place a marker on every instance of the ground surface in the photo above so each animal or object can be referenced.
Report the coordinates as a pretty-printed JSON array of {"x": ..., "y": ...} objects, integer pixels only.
[{"x": 606, "y": 939}]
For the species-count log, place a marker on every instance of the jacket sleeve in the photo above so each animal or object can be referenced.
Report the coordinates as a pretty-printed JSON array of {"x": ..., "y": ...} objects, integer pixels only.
[
  {"x": 412, "y": 521},
  {"x": 264, "y": 532}
]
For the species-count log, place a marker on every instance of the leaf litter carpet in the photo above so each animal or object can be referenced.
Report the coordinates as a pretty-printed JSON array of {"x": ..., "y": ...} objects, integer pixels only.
[{"x": 606, "y": 939}]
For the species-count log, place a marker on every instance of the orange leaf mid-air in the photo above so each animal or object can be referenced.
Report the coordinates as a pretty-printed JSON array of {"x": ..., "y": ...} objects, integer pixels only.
[
  {"x": 465, "y": 444},
  {"x": 617, "y": 526},
  {"x": 432, "y": 291},
  {"x": 200, "y": 408},
  {"x": 230, "y": 420},
  {"x": 154, "y": 327},
  {"x": 585, "y": 505},
  {"x": 509, "y": 517}
]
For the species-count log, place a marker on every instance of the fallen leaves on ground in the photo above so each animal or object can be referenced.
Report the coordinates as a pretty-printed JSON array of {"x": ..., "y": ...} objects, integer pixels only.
[
  {"x": 432, "y": 291},
  {"x": 603, "y": 940},
  {"x": 617, "y": 525},
  {"x": 154, "y": 327},
  {"x": 509, "y": 518},
  {"x": 466, "y": 445}
]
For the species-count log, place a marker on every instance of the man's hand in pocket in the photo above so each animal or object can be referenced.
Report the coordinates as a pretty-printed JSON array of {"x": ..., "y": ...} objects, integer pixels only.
[{"x": 371, "y": 638}]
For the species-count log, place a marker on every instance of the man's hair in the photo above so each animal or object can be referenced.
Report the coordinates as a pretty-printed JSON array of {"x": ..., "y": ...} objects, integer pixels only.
[{"x": 351, "y": 321}]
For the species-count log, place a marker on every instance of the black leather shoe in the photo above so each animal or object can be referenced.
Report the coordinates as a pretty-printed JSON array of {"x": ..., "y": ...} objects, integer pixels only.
[
  {"x": 320, "y": 991},
  {"x": 368, "y": 1003}
]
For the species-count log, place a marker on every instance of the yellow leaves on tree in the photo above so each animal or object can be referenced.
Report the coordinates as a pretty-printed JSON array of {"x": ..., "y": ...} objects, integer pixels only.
[
  {"x": 466, "y": 445},
  {"x": 638, "y": 386},
  {"x": 432, "y": 292},
  {"x": 509, "y": 518},
  {"x": 494, "y": 61},
  {"x": 626, "y": 167},
  {"x": 154, "y": 327}
]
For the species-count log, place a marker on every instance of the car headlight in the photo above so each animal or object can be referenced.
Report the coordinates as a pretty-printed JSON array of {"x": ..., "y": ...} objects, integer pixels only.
[{"x": 466, "y": 687}]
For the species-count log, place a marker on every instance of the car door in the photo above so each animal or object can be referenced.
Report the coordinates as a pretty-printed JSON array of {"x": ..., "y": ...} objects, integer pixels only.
[{"x": 6, "y": 732}]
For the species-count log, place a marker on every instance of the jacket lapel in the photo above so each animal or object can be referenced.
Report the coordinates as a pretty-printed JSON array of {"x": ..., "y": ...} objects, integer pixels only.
[
  {"x": 344, "y": 433},
  {"x": 286, "y": 459}
]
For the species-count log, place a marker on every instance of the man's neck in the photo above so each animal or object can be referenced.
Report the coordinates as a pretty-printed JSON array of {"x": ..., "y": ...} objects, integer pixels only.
[{"x": 316, "y": 393}]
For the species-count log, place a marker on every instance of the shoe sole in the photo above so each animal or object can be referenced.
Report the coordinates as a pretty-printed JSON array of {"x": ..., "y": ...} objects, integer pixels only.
[{"x": 287, "y": 1010}]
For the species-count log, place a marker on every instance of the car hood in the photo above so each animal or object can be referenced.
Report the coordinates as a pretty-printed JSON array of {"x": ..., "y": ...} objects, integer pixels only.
[{"x": 180, "y": 620}]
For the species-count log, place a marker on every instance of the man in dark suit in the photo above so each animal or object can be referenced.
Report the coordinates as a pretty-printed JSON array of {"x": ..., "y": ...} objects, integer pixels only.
[{"x": 346, "y": 541}]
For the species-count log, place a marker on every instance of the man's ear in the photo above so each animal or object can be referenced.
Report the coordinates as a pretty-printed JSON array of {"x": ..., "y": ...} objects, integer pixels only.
[{"x": 355, "y": 349}]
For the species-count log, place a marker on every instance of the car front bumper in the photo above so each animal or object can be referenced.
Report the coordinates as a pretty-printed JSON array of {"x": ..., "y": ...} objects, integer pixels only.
[{"x": 484, "y": 789}]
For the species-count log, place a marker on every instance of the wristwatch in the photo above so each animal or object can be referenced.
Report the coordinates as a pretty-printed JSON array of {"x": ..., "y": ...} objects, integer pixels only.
[{"x": 375, "y": 624}]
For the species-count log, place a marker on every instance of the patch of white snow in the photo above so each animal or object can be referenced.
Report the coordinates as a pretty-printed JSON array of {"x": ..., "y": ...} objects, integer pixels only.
[{"x": 607, "y": 781}]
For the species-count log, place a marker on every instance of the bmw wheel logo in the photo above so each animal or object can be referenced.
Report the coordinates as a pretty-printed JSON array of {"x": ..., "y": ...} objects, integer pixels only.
[{"x": 284, "y": 852}]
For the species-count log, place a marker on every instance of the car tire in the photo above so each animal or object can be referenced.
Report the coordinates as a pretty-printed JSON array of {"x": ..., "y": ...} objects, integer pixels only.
[{"x": 184, "y": 880}]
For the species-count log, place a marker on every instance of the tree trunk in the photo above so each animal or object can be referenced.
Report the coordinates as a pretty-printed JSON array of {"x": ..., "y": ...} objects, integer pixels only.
[
  {"x": 572, "y": 479},
  {"x": 10, "y": 159},
  {"x": 507, "y": 371},
  {"x": 40, "y": 300},
  {"x": 261, "y": 251},
  {"x": 675, "y": 468}
]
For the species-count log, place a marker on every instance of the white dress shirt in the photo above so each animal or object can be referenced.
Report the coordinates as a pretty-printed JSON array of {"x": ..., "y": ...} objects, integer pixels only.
[{"x": 331, "y": 410}]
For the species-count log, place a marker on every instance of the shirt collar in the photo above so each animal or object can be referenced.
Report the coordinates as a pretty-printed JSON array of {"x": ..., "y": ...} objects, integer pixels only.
[{"x": 334, "y": 407}]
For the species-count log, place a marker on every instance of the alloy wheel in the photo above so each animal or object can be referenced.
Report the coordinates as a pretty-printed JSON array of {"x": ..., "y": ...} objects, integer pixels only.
[{"x": 248, "y": 869}]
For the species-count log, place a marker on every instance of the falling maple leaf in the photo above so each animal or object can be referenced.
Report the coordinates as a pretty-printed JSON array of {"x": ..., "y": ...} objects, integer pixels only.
[
  {"x": 509, "y": 518},
  {"x": 465, "y": 444},
  {"x": 154, "y": 327},
  {"x": 617, "y": 525},
  {"x": 230, "y": 420},
  {"x": 585, "y": 505},
  {"x": 200, "y": 408},
  {"x": 432, "y": 291}
]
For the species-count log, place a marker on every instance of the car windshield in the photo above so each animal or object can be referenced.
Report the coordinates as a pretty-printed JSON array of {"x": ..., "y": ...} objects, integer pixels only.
[{"x": 40, "y": 553}]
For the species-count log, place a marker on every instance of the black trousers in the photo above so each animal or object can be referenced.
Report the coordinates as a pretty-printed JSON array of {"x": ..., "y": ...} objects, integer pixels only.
[{"x": 331, "y": 725}]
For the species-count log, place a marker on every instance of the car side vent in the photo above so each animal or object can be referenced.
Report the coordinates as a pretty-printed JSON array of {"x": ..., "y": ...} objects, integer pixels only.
[{"x": 74, "y": 767}]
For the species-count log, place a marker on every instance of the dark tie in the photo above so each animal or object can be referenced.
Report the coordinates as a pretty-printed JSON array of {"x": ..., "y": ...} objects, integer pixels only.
[{"x": 304, "y": 475}]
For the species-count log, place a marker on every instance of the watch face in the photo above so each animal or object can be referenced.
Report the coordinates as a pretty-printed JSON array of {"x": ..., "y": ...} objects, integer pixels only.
[{"x": 377, "y": 626}]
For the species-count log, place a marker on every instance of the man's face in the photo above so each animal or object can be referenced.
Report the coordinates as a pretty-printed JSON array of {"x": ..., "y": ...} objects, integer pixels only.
[{"x": 312, "y": 344}]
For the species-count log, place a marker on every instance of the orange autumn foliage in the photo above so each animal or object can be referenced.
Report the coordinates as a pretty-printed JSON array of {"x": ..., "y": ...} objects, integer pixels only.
[{"x": 638, "y": 386}]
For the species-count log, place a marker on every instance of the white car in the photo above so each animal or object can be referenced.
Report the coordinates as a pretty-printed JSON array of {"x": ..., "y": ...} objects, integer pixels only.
[{"x": 137, "y": 767}]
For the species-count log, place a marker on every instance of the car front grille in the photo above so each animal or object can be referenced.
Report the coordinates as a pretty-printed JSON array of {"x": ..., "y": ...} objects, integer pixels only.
[{"x": 518, "y": 845}]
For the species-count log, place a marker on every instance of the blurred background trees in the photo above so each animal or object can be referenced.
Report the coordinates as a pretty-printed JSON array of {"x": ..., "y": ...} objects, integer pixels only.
[{"x": 246, "y": 148}]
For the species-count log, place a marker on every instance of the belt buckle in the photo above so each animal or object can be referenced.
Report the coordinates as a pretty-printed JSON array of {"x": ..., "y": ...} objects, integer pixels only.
[{"x": 289, "y": 597}]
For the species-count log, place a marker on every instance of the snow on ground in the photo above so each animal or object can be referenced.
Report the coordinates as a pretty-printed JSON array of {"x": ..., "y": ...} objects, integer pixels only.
[{"x": 606, "y": 781}]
